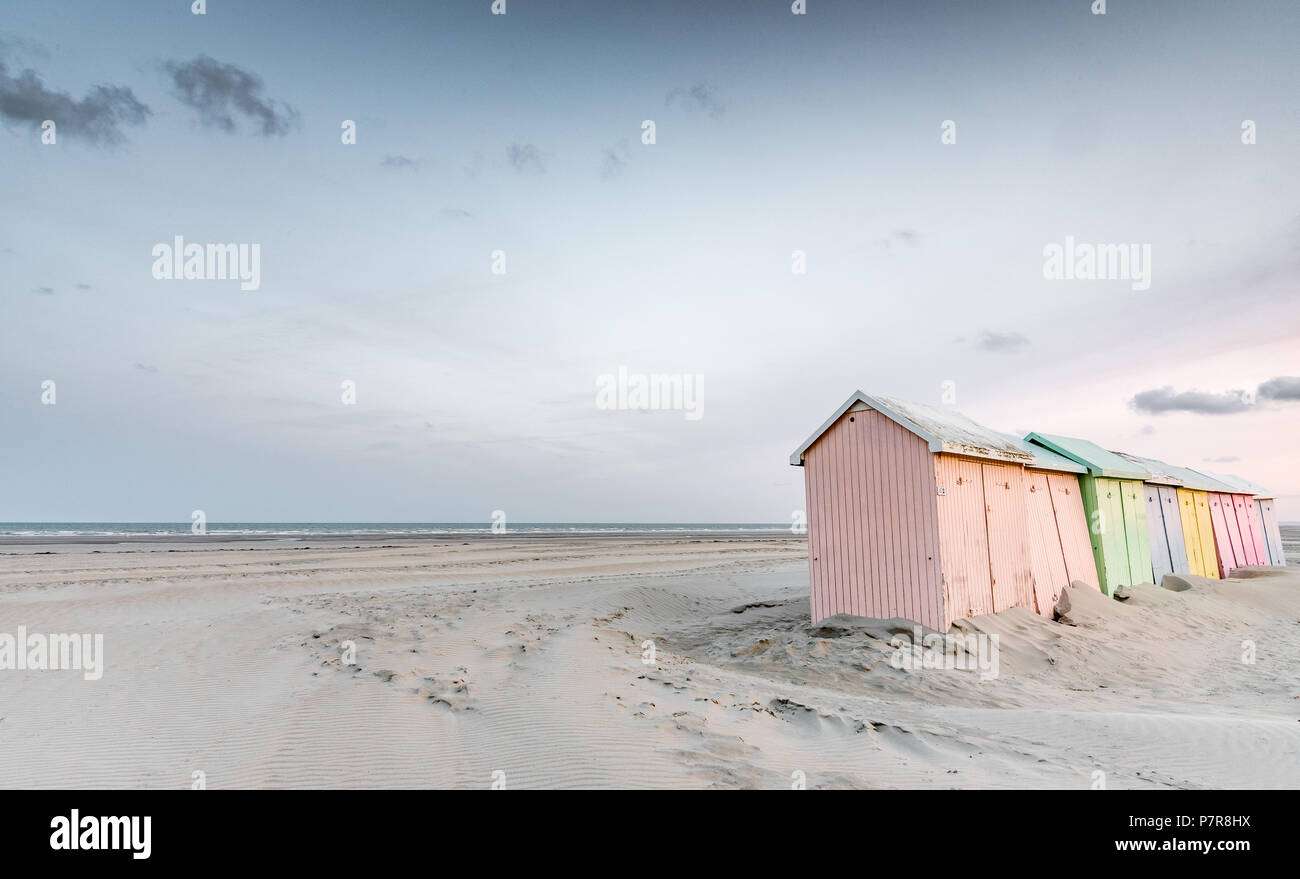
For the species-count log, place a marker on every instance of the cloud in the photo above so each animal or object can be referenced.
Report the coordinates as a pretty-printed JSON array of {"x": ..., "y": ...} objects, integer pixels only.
[
  {"x": 702, "y": 96},
  {"x": 44, "y": 291},
  {"x": 1001, "y": 343},
  {"x": 1284, "y": 387},
  {"x": 83, "y": 286},
  {"x": 221, "y": 92},
  {"x": 456, "y": 214},
  {"x": 1160, "y": 401},
  {"x": 1226, "y": 459},
  {"x": 526, "y": 158},
  {"x": 614, "y": 160},
  {"x": 907, "y": 236},
  {"x": 400, "y": 163},
  {"x": 10, "y": 43},
  {"x": 144, "y": 367},
  {"x": 96, "y": 119},
  {"x": 1147, "y": 430}
]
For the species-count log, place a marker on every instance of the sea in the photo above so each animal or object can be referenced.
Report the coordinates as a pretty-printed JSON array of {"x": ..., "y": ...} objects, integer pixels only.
[{"x": 371, "y": 529}]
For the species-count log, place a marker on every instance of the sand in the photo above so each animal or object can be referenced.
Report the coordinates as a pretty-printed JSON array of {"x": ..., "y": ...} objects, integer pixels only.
[{"x": 521, "y": 660}]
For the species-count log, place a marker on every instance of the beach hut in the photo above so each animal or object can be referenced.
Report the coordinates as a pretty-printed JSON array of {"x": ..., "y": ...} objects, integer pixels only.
[
  {"x": 1272, "y": 533},
  {"x": 1194, "y": 512},
  {"x": 914, "y": 512},
  {"x": 1227, "y": 533},
  {"x": 1234, "y": 538},
  {"x": 1060, "y": 549},
  {"x": 1265, "y": 505},
  {"x": 1114, "y": 502},
  {"x": 1260, "y": 516},
  {"x": 1164, "y": 520}
]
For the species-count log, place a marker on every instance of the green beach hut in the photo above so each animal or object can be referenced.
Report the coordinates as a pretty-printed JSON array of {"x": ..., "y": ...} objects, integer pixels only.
[{"x": 1114, "y": 500}]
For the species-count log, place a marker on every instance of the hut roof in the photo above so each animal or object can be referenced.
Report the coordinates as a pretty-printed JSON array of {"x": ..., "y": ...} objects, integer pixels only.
[
  {"x": 1196, "y": 480},
  {"x": 1098, "y": 461},
  {"x": 1045, "y": 458},
  {"x": 1241, "y": 486},
  {"x": 1159, "y": 472},
  {"x": 944, "y": 430}
]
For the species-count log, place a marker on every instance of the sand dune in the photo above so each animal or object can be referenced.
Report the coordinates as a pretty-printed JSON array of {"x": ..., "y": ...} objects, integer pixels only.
[{"x": 525, "y": 657}]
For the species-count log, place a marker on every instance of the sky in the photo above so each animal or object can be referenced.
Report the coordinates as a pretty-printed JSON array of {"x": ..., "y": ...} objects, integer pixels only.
[{"x": 518, "y": 138}]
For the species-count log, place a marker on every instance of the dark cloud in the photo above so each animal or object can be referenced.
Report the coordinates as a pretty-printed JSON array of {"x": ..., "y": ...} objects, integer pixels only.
[
  {"x": 1160, "y": 401},
  {"x": 456, "y": 214},
  {"x": 44, "y": 291},
  {"x": 400, "y": 163},
  {"x": 97, "y": 118},
  {"x": 526, "y": 158},
  {"x": 144, "y": 367},
  {"x": 221, "y": 92},
  {"x": 1284, "y": 387},
  {"x": 1001, "y": 343},
  {"x": 83, "y": 286},
  {"x": 702, "y": 96}
]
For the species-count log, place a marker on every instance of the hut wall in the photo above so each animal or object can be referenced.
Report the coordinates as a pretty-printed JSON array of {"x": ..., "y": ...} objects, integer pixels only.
[
  {"x": 1072, "y": 526},
  {"x": 963, "y": 537},
  {"x": 1135, "y": 532},
  {"x": 1205, "y": 527},
  {"x": 1162, "y": 561},
  {"x": 1117, "y": 522},
  {"x": 1106, "y": 530},
  {"x": 873, "y": 532},
  {"x": 1011, "y": 576},
  {"x": 1172, "y": 516},
  {"x": 1227, "y": 537},
  {"x": 1059, "y": 550},
  {"x": 1252, "y": 534},
  {"x": 1272, "y": 534},
  {"x": 1046, "y": 554}
]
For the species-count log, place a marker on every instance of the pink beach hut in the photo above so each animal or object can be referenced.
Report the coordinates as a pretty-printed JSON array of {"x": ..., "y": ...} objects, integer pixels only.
[
  {"x": 919, "y": 513},
  {"x": 1249, "y": 520}
]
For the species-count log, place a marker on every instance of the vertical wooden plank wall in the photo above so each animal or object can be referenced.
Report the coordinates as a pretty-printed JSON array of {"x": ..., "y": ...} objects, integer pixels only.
[
  {"x": 1205, "y": 527},
  {"x": 1272, "y": 533},
  {"x": 1101, "y": 500},
  {"x": 1072, "y": 526},
  {"x": 1162, "y": 561},
  {"x": 1008, "y": 527},
  {"x": 1227, "y": 536},
  {"x": 1191, "y": 536},
  {"x": 1136, "y": 539},
  {"x": 1251, "y": 535},
  {"x": 1046, "y": 555},
  {"x": 963, "y": 537},
  {"x": 873, "y": 532},
  {"x": 1171, "y": 516}
]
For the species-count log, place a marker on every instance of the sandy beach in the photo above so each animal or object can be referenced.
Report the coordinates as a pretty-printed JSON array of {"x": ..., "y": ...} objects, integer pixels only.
[{"x": 524, "y": 660}]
